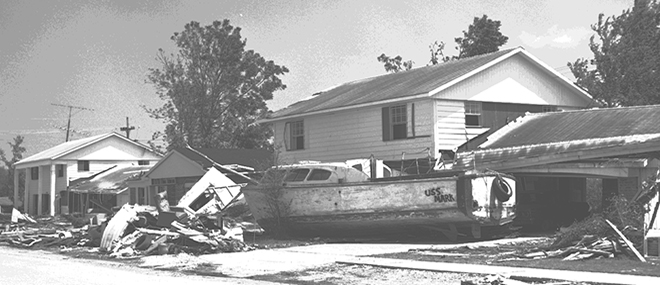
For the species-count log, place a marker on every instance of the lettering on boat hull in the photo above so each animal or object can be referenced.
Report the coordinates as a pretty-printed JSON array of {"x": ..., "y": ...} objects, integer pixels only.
[{"x": 439, "y": 195}]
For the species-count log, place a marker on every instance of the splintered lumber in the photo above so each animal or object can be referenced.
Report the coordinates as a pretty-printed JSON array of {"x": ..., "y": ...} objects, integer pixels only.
[
  {"x": 185, "y": 231},
  {"x": 626, "y": 240},
  {"x": 596, "y": 252},
  {"x": 157, "y": 232}
]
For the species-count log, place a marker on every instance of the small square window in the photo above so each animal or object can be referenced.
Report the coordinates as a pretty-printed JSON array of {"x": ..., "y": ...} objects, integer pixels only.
[
  {"x": 143, "y": 162},
  {"x": 83, "y": 165},
  {"x": 473, "y": 114}
]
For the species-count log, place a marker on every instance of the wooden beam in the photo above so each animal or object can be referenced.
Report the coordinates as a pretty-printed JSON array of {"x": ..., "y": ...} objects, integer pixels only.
[{"x": 627, "y": 241}]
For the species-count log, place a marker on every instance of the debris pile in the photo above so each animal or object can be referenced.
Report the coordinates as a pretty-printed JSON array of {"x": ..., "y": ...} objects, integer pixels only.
[
  {"x": 142, "y": 230},
  {"x": 131, "y": 232},
  {"x": 600, "y": 239},
  {"x": 24, "y": 231}
]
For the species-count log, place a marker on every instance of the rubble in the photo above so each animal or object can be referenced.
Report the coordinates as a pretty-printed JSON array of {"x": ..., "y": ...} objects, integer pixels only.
[
  {"x": 600, "y": 239},
  {"x": 133, "y": 231}
]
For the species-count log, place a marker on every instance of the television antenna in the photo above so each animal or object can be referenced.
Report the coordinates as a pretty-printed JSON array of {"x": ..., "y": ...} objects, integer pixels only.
[{"x": 71, "y": 107}]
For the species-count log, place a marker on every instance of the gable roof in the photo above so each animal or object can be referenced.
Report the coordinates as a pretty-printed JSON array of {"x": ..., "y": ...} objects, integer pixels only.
[
  {"x": 563, "y": 136},
  {"x": 415, "y": 83},
  {"x": 71, "y": 146},
  {"x": 246, "y": 157}
]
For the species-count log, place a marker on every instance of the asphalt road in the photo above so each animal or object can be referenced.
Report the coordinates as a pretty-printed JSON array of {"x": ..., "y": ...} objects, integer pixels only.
[{"x": 19, "y": 266}]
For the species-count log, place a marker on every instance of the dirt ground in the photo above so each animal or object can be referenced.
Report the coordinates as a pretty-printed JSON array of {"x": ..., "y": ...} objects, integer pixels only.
[{"x": 359, "y": 274}]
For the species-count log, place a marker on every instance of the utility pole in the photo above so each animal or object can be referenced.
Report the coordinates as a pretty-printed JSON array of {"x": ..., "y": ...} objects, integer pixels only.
[
  {"x": 71, "y": 107},
  {"x": 128, "y": 128}
]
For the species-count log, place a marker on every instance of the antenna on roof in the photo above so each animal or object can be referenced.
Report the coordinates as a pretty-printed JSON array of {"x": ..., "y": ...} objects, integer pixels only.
[{"x": 68, "y": 124}]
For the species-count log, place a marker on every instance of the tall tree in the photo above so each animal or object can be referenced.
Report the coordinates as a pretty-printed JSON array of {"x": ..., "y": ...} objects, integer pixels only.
[
  {"x": 214, "y": 89},
  {"x": 17, "y": 151},
  {"x": 482, "y": 37},
  {"x": 394, "y": 64},
  {"x": 625, "y": 70}
]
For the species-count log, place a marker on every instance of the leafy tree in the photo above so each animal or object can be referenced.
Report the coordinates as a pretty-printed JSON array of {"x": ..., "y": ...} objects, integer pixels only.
[
  {"x": 482, "y": 37},
  {"x": 625, "y": 70},
  {"x": 437, "y": 53},
  {"x": 17, "y": 151},
  {"x": 395, "y": 64},
  {"x": 214, "y": 89}
]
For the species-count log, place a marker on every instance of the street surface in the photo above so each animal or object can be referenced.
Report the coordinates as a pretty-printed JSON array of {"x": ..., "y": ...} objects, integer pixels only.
[{"x": 18, "y": 266}]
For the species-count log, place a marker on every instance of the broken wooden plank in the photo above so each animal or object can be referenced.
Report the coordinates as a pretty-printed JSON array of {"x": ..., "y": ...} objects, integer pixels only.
[
  {"x": 627, "y": 241},
  {"x": 157, "y": 232}
]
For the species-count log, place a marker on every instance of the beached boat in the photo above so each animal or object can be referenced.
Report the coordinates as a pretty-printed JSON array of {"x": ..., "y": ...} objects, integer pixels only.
[{"x": 331, "y": 198}]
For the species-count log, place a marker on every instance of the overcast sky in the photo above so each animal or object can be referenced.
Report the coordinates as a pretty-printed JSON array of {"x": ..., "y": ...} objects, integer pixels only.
[{"x": 96, "y": 54}]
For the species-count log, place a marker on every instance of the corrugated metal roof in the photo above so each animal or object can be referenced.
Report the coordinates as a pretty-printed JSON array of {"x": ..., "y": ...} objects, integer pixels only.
[
  {"x": 111, "y": 182},
  {"x": 565, "y": 136},
  {"x": 590, "y": 124},
  {"x": 254, "y": 158},
  {"x": 391, "y": 86}
]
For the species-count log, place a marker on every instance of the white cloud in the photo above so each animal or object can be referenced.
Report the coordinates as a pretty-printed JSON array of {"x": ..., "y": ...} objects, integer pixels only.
[{"x": 555, "y": 37}]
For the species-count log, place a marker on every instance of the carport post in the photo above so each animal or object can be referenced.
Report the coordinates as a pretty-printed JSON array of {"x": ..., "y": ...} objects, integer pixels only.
[
  {"x": 52, "y": 188},
  {"x": 16, "y": 186}
]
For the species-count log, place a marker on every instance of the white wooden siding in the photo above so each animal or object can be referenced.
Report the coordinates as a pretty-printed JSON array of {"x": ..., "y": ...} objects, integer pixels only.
[
  {"x": 112, "y": 148},
  {"x": 358, "y": 134},
  {"x": 176, "y": 165},
  {"x": 450, "y": 125},
  {"x": 514, "y": 80},
  {"x": 95, "y": 166}
]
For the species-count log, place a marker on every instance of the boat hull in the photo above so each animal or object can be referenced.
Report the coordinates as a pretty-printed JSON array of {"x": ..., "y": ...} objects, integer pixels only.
[{"x": 391, "y": 204}]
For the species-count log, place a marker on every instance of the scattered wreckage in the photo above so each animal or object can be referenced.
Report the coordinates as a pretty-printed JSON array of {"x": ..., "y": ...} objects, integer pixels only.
[{"x": 195, "y": 226}]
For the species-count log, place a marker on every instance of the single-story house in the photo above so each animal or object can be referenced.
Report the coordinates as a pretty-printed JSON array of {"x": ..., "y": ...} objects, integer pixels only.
[
  {"x": 50, "y": 171},
  {"x": 181, "y": 168},
  {"x": 422, "y": 112}
]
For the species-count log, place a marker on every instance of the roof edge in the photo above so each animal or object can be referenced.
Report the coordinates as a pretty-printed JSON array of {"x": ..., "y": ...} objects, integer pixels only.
[
  {"x": 562, "y": 78},
  {"x": 497, "y": 60},
  {"x": 162, "y": 160},
  {"x": 631, "y": 138},
  {"x": 344, "y": 108}
]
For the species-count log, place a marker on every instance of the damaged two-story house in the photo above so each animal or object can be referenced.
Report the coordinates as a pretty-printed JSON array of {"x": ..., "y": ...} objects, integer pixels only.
[{"x": 423, "y": 112}]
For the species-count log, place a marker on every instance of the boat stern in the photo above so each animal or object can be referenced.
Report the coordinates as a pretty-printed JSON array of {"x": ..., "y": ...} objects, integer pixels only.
[{"x": 489, "y": 198}]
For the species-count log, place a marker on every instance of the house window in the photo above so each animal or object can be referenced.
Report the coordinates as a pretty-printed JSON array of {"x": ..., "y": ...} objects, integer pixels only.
[
  {"x": 60, "y": 170},
  {"x": 83, "y": 165},
  {"x": 296, "y": 135},
  {"x": 472, "y": 114},
  {"x": 547, "y": 109},
  {"x": 395, "y": 123},
  {"x": 34, "y": 173},
  {"x": 143, "y": 162}
]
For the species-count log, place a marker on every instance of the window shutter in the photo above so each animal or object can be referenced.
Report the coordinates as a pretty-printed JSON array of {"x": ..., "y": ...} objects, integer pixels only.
[
  {"x": 287, "y": 136},
  {"x": 386, "y": 124}
]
